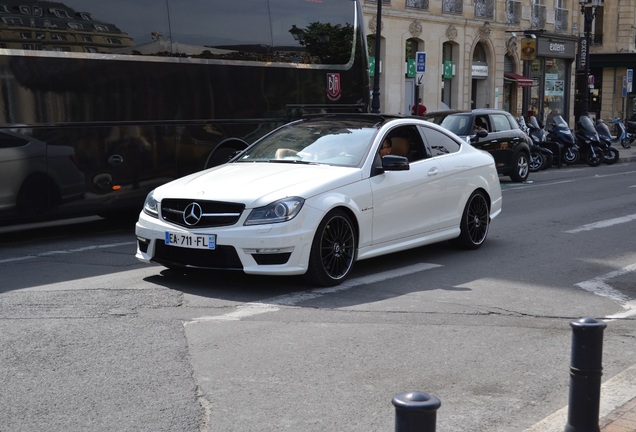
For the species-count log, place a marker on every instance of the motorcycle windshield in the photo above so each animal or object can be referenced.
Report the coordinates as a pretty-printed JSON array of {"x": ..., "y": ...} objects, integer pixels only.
[
  {"x": 533, "y": 123},
  {"x": 586, "y": 126},
  {"x": 559, "y": 123},
  {"x": 602, "y": 130}
]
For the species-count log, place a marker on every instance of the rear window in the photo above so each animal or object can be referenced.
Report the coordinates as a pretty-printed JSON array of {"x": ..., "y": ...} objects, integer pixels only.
[{"x": 459, "y": 124}]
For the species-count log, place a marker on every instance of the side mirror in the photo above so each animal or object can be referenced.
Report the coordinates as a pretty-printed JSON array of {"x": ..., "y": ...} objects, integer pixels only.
[{"x": 395, "y": 163}]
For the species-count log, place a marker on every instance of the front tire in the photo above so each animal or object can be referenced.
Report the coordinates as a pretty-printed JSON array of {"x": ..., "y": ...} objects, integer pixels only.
[
  {"x": 333, "y": 250},
  {"x": 520, "y": 168},
  {"x": 571, "y": 156},
  {"x": 537, "y": 161},
  {"x": 474, "y": 223},
  {"x": 611, "y": 155},
  {"x": 594, "y": 158}
]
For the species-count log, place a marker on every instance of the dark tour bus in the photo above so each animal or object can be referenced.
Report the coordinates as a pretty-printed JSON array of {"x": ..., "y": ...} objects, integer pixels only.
[{"x": 104, "y": 100}]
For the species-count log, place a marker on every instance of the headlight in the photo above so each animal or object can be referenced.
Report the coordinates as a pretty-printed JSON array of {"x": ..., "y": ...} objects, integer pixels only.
[
  {"x": 278, "y": 211},
  {"x": 151, "y": 206}
]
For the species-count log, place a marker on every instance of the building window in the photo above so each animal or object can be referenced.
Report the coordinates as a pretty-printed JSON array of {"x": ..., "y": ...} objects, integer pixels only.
[
  {"x": 561, "y": 19},
  {"x": 12, "y": 21},
  {"x": 37, "y": 11},
  {"x": 513, "y": 11},
  {"x": 86, "y": 16},
  {"x": 101, "y": 28},
  {"x": 4, "y": 9},
  {"x": 114, "y": 41},
  {"x": 484, "y": 8},
  {"x": 60, "y": 13},
  {"x": 597, "y": 37},
  {"x": 61, "y": 49},
  {"x": 453, "y": 6},
  {"x": 26, "y": 35},
  {"x": 91, "y": 50},
  {"x": 417, "y": 4},
  {"x": 25, "y": 10},
  {"x": 87, "y": 39},
  {"x": 76, "y": 26},
  {"x": 28, "y": 46},
  {"x": 539, "y": 14},
  {"x": 57, "y": 37}
]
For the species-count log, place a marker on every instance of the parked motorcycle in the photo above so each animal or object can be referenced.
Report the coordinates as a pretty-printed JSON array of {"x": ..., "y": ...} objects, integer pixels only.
[
  {"x": 610, "y": 153},
  {"x": 560, "y": 137},
  {"x": 541, "y": 157},
  {"x": 630, "y": 131},
  {"x": 588, "y": 142}
]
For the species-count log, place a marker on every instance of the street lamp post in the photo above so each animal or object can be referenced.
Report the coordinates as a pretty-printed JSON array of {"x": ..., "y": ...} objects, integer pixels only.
[
  {"x": 589, "y": 13},
  {"x": 375, "y": 101}
]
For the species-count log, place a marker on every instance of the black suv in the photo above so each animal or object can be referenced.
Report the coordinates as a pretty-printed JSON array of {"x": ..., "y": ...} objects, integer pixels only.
[{"x": 492, "y": 130}]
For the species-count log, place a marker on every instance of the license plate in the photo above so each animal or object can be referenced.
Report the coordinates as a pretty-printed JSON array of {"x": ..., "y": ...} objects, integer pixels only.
[{"x": 192, "y": 241}]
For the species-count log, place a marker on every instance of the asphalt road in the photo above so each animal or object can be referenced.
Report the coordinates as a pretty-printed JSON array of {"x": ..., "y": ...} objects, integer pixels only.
[{"x": 92, "y": 340}]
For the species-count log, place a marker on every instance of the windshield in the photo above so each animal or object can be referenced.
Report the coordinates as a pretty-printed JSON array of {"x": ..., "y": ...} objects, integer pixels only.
[
  {"x": 534, "y": 124},
  {"x": 586, "y": 123},
  {"x": 342, "y": 143},
  {"x": 558, "y": 122},
  {"x": 460, "y": 124}
]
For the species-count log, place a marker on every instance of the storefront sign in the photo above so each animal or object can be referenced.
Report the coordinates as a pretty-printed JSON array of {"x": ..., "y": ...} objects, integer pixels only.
[
  {"x": 480, "y": 71},
  {"x": 551, "y": 48}
]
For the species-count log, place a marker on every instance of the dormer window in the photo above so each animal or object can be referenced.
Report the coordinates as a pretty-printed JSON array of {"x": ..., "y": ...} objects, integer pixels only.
[
  {"x": 4, "y": 9},
  {"x": 12, "y": 21},
  {"x": 86, "y": 16},
  {"x": 37, "y": 11},
  {"x": 25, "y": 10},
  {"x": 76, "y": 26},
  {"x": 60, "y": 13},
  {"x": 101, "y": 28}
]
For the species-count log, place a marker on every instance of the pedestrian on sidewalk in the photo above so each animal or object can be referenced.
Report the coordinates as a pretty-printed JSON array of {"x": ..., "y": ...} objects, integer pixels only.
[{"x": 419, "y": 109}]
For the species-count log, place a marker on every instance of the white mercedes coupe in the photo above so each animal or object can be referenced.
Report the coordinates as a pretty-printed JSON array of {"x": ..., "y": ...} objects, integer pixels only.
[{"x": 316, "y": 195}]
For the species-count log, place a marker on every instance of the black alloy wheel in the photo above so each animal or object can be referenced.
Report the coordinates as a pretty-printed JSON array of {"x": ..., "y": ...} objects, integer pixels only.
[
  {"x": 474, "y": 223},
  {"x": 333, "y": 250}
]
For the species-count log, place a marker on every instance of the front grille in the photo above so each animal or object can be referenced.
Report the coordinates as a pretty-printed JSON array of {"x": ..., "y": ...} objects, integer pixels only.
[
  {"x": 223, "y": 257},
  {"x": 200, "y": 213}
]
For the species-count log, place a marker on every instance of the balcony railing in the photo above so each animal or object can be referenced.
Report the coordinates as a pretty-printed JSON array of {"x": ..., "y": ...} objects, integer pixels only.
[
  {"x": 484, "y": 8},
  {"x": 453, "y": 6},
  {"x": 513, "y": 12},
  {"x": 417, "y": 4},
  {"x": 561, "y": 19},
  {"x": 539, "y": 14}
]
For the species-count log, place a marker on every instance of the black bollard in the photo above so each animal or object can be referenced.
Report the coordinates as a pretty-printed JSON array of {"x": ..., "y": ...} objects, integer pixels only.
[
  {"x": 415, "y": 412},
  {"x": 585, "y": 375}
]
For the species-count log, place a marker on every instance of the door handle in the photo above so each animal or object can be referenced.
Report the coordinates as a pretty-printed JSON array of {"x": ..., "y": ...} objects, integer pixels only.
[{"x": 433, "y": 172}]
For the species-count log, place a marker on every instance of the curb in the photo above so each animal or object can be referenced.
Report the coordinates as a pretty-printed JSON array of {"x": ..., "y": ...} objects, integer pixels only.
[{"x": 615, "y": 393}]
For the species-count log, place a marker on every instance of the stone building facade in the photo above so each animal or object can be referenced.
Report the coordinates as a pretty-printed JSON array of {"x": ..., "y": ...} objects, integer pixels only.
[{"x": 517, "y": 55}]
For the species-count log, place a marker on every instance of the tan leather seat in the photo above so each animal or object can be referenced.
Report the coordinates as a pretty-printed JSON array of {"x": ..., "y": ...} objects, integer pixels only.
[{"x": 400, "y": 146}]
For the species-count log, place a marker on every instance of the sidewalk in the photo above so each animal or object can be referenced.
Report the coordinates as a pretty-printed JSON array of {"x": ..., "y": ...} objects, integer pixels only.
[
  {"x": 617, "y": 411},
  {"x": 627, "y": 155}
]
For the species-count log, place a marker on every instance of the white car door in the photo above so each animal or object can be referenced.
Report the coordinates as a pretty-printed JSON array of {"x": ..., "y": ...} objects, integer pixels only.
[{"x": 407, "y": 203}]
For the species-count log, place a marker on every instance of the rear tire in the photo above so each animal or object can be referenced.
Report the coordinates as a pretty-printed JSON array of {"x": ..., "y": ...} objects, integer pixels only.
[
  {"x": 333, "y": 250},
  {"x": 571, "y": 156},
  {"x": 474, "y": 223},
  {"x": 520, "y": 168}
]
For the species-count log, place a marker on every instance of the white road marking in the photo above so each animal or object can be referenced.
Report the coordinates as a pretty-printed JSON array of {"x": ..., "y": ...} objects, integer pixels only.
[
  {"x": 272, "y": 304},
  {"x": 601, "y": 287},
  {"x": 603, "y": 224},
  {"x": 64, "y": 252}
]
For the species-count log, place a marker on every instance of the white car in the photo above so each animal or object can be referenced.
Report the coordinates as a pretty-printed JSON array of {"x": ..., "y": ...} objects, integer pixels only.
[{"x": 314, "y": 196}]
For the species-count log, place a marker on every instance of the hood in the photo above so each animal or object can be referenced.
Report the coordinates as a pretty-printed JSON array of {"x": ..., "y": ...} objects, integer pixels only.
[{"x": 258, "y": 183}]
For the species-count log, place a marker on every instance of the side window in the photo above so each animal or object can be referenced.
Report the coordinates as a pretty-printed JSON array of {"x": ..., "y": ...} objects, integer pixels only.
[
  {"x": 406, "y": 141},
  {"x": 439, "y": 143},
  {"x": 500, "y": 123}
]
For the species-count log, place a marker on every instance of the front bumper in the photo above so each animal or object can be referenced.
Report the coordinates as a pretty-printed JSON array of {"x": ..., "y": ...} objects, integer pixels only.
[{"x": 273, "y": 249}]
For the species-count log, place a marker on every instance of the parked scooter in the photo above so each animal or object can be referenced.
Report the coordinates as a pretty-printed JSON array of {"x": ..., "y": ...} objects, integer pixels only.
[
  {"x": 561, "y": 138},
  {"x": 610, "y": 153},
  {"x": 588, "y": 142},
  {"x": 541, "y": 157},
  {"x": 630, "y": 131},
  {"x": 622, "y": 135}
]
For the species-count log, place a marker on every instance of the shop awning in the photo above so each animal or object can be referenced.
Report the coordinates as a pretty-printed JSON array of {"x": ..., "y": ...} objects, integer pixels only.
[{"x": 520, "y": 79}]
